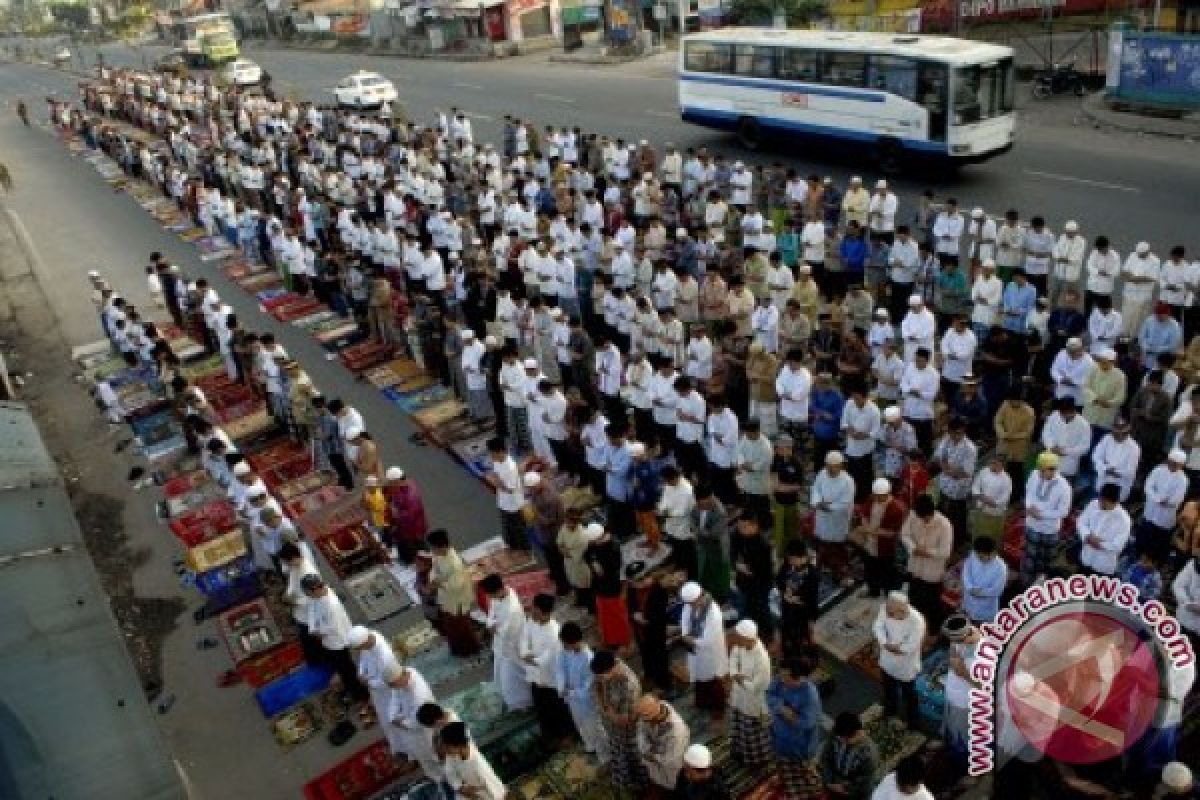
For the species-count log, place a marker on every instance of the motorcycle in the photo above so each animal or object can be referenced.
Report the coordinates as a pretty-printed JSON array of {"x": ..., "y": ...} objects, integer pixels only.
[{"x": 1058, "y": 79}]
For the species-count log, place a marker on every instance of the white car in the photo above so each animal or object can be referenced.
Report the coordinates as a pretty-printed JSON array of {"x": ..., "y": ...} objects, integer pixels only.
[
  {"x": 242, "y": 72},
  {"x": 364, "y": 90}
]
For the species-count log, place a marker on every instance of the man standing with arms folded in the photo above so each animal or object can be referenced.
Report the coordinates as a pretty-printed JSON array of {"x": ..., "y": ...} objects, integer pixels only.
[
  {"x": 1047, "y": 503},
  {"x": 899, "y": 630}
]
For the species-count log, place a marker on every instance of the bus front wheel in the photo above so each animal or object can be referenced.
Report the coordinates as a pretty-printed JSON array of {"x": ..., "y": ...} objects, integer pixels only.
[{"x": 749, "y": 133}]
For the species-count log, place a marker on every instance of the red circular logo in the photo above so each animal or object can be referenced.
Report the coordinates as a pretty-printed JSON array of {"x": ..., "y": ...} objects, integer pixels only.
[{"x": 1082, "y": 687}]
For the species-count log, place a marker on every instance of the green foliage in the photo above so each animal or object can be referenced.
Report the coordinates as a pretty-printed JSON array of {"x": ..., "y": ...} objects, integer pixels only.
[{"x": 799, "y": 13}]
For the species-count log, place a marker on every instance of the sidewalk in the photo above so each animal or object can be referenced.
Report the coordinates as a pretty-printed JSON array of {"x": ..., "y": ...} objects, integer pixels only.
[{"x": 1097, "y": 110}]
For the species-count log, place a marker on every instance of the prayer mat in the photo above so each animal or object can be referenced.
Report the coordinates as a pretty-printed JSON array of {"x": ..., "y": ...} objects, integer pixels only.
[
  {"x": 413, "y": 402},
  {"x": 434, "y": 414},
  {"x": 866, "y": 660},
  {"x": 351, "y": 550},
  {"x": 180, "y": 226},
  {"x": 415, "y": 639},
  {"x": 635, "y": 551},
  {"x": 192, "y": 234},
  {"x": 254, "y": 424},
  {"x": 186, "y": 483},
  {"x": 361, "y": 776},
  {"x": 381, "y": 376},
  {"x": 502, "y": 560},
  {"x": 335, "y": 339},
  {"x": 846, "y": 628},
  {"x": 482, "y": 709},
  {"x": 262, "y": 282},
  {"x": 280, "y": 695},
  {"x": 362, "y": 357},
  {"x": 296, "y": 726},
  {"x": 160, "y": 451},
  {"x": 377, "y": 593},
  {"x": 931, "y": 686},
  {"x": 894, "y": 745},
  {"x": 180, "y": 504},
  {"x": 220, "y": 550},
  {"x": 473, "y": 454},
  {"x": 462, "y": 428},
  {"x": 572, "y": 772},
  {"x": 297, "y": 309},
  {"x": 300, "y": 505},
  {"x": 249, "y": 630},
  {"x": 204, "y": 523},
  {"x": 312, "y": 320},
  {"x": 320, "y": 522},
  {"x": 89, "y": 355},
  {"x": 516, "y": 752},
  {"x": 239, "y": 572},
  {"x": 536, "y": 786},
  {"x": 440, "y": 667},
  {"x": 414, "y": 383},
  {"x": 305, "y": 484},
  {"x": 529, "y": 585}
]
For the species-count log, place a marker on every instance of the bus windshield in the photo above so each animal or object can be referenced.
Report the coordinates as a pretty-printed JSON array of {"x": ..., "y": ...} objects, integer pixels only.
[{"x": 983, "y": 91}]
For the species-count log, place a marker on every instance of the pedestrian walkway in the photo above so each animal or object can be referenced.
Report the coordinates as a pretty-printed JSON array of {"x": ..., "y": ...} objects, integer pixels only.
[{"x": 1100, "y": 112}]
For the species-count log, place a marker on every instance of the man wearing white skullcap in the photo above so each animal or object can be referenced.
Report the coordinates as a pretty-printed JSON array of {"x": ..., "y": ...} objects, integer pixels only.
[
  {"x": 700, "y": 778},
  {"x": 1176, "y": 782},
  {"x": 375, "y": 660},
  {"x": 1139, "y": 278},
  {"x": 1166, "y": 487},
  {"x": 899, "y": 630},
  {"x": 703, "y": 634},
  {"x": 328, "y": 621},
  {"x": 749, "y": 675},
  {"x": 918, "y": 329},
  {"x": 832, "y": 497},
  {"x": 877, "y": 534}
]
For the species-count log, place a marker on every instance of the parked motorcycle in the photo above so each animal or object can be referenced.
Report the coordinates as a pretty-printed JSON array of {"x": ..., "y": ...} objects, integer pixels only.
[{"x": 1058, "y": 79}]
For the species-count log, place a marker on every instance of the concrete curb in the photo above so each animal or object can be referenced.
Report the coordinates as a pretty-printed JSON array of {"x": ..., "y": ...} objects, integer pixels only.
[{"x": 1098, "y": 113}]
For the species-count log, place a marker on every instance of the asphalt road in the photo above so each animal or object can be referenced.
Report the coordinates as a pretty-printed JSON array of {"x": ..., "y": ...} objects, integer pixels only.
[{"x": 1126, "y": 186}]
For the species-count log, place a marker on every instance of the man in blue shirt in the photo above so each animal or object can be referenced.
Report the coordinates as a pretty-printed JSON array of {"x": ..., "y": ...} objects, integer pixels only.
[
  {"x": 616, "y": 479},
  {"x": 825, "y": 410},
  {"x": 1160, "y": 334},
  {"x": 1018, "y": 300},
  {"x": 795, "y": 708}
]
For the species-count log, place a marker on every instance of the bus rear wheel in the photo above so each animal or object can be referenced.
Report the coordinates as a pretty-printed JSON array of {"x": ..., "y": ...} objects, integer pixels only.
[{"x": 749, "y": 133}]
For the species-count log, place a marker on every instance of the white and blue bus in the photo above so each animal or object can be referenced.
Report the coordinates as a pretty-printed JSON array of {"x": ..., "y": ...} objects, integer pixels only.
[{"x": 896, "y": 94}]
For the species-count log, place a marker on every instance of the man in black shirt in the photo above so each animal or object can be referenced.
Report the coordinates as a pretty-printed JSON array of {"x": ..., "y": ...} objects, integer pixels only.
[{"x": 787, "y": 478}]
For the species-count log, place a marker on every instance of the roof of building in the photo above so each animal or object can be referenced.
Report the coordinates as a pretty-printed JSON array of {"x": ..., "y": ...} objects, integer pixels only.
[{"x": 74, "y": 722}]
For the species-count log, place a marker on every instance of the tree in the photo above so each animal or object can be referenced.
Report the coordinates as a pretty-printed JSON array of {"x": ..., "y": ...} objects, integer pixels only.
[{"x": 797, "y": 13}]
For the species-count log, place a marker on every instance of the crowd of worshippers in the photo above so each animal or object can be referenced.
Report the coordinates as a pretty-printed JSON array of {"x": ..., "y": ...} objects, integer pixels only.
[{"x": 776, "y": 379}]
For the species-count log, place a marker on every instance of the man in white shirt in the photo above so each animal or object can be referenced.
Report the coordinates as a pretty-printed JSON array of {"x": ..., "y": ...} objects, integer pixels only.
[
  {"x": 904, "y": 259},
  {"x": 750, "y": 677},
  {"x": 832, "y": 498},
  {"x": 947, "y": 232},
  {"x": 986, "y": 294},
  {"x": 899, "y": 630},
  {"x": 918, "y": 389},
  {"x": 1140, "y": 279},
  {"x": 957, "y": 353},
  {"x": 505, "y": 478},
  {"x": 918, "y": 328},
  {"x": 506, "y": 622},
  {"x": 1166, "y": 487},
  {"x": 1116, "y": 458},
  {"x": 690, "y": 417},
  {"x": 1047, "y": 503},
  {"x": 1067, "y": 434},
  {"x": 478, "y": 401},
  {"x": 539, "y": 649},
  {"x": 860, "y": 423},
  {"x": 675, "y": 506},
  {"x": 1070, "y": 371},
  {"x": 1103, "y": 530},
  {"x": 1186, "y": 588},
  {"x": 721, "y": 435},
  {"x": 1067, "y": 258},
  {"x": 466, "y": 770},
  {"x": 328, "y": 621},
  {"x": 794, "y": 386},
  {"x": 881, "y": 213},
  {"x": 1104, "y": 323}
]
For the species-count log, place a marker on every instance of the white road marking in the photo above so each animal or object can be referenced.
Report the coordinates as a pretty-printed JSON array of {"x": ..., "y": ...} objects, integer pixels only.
[
  {"x": 1054, "y": 176},
  {"x": 484, "y": 117},
  {"x": 474, "y": 86},
  {"x": 654, "y": 112},
  {"x": 555, "y": 97}
]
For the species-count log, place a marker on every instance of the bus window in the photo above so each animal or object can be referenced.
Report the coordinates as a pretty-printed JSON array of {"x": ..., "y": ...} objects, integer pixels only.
[
  {"x": 708, "y": 57},
  {"x": 931, "y": 94},
  {"x": 980, "y": 92},
  {"x": 844, "y": 69},
  {"x": 1008, "y": 86},
  {"x": 796, "y": 64},
  {"x": 893, "y": 74},
  {"x": 754, "y": 61}
]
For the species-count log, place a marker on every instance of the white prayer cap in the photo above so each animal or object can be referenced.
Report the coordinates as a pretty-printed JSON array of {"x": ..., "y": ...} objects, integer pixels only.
[
  {"x": 1074, "y": 343},
  {"x": 805, "y": 269},
  {"x": 881, "y": 486},
  {"x": 241, "y": 468},
  {"x": 915, "y": 300},
  {"x": 556, "y": 313},
  {"x": 1106, "y": 353},
  {"x": 637, "y": 449},
  {"x": 1143, "y": 248},
  {"x": 977, "y": 213},
  {"x": 891, "y": 413},
  {"x": 738, "y": 165},
  {"x": 690, "y": 592},
  {"x": 746, "y": 628},
  {"x": 855, "y": 179},
  {"x": 531, "y": 363},
  {"x": 643, "y": 143},
  {"x": 353, "y": 432},
  {"x": 834, "y": 457},
  {"x": 881, "y": 313},
  {"x": 394, "y": 474},
  {"x": 531, "y": 479},
  {"x": 647, "y": 176},
  {"x": 989, "y": 263},
  {"x": 1175, "y": 776},
  {"x": 897, "y": 597},
  {"x": 303, "y": 380},
  {"x": 372, "y": 480},
  {"x": 1071, "y": 226},
  {"x": 467, "y": 334},
  {"x": 881, "y": 184},
  {"x": 256, "y": 491},
  {"x": 1178, "y": 456},
  {"x": 357, "y": 636},
  {"x": 697, "y": 756},
  {"x": 93, "y": 273},
  {"x": 490, "y": 340},
  {"x": 593, "y": 532},
  {"x": 680, "y": 233}
]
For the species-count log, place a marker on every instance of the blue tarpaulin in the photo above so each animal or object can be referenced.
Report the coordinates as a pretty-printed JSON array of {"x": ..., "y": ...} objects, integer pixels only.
[{"x": 1155, "y": 68}]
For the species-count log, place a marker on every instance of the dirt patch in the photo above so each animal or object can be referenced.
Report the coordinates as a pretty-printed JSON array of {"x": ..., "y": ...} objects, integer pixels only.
[{"x": 79, "y": 441}]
